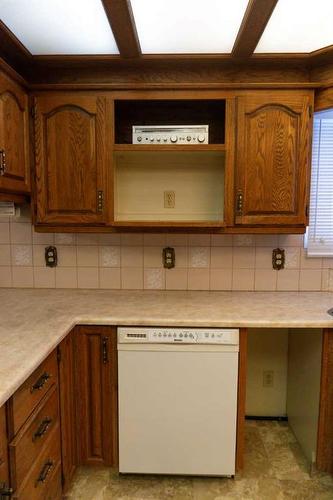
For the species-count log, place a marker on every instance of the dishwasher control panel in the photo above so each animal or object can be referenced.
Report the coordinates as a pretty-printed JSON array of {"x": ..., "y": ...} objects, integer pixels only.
[{"x": 151, "y": 335}]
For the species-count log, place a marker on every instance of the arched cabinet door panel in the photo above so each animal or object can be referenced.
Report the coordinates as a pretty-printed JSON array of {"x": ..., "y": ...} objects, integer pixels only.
[
  {"x": 273, "y": 158},
  {"x": 14, "y": 137},
  {"x": 71, "y": 156}
]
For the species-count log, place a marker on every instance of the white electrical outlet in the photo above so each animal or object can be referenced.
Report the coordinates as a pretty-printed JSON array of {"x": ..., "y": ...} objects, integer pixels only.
[
  {"x": 268, "y": 378},
  {"x": 169, "y": 199}
]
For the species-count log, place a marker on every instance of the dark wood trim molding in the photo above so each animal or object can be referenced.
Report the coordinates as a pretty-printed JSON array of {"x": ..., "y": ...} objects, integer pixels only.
[
  {"x": 13, "y": 51},
  {"x": 324, "y": 99},
  {"x": 254, "y": 22},
  {"x": 168, "y": 71},
  {"x": 121, "y": 19},
  {"x": 321, "y": 56},
  {"x": 325, "y": 428},
  {"x": 9, "y": 71}
]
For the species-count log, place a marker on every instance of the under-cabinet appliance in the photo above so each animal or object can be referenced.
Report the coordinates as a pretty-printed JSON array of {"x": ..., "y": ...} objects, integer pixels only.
[
  {"x": 170, "y": 134},
  {"x": 177, "y": 400}
]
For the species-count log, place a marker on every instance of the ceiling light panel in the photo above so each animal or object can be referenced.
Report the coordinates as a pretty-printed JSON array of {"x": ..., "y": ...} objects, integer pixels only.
[
  {"x": 187, "y": 26},
  {"x": 298, "y": 26},
  {"x": 59, "y": 26}
]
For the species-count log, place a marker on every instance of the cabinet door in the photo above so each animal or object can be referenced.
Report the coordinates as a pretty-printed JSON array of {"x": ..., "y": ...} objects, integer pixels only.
[
  {"x": 96, "y": 395},
  {"x": 71, "y": 154},
  {"x": 67, "y": 409},
  {"x": 4, "y": 475},
  {"x": 14, "y": 137},
  {"x": 273, "y": 158}
]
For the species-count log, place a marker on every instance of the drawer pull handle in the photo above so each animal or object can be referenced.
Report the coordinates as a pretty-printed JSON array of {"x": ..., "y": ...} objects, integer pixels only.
[
  {"x": 42, "y": 429},
  {"x": 2, "y": 162},
  {"x": 40, "y": 382},
  {"x": 45, "y": 472},
  {"x": 5, "y": 491},
  {"x": 105, "y": 353}
]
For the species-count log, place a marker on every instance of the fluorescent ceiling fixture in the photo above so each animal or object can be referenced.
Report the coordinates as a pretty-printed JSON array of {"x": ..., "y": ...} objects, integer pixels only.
[
  {"x": 59, "y": 26},
  {"x": 298, "y": 26},
  {"x": 187, "y": 26}
]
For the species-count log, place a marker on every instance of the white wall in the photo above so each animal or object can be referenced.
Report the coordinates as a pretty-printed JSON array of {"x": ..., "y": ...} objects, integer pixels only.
[
  {"x": 304, "y": 370},
  {"x": 267, "y": 350}
]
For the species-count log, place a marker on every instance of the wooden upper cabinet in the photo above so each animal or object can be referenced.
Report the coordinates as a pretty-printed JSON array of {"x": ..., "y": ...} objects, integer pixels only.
[
  {"x": 72, "y": 150},
  {"x": 14, "y": 137},
  {"x": 273, "y": 158}
]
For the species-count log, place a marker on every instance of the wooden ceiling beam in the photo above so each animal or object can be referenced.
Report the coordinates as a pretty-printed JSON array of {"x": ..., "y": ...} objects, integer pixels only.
[
  {"x": 121, "y": 20},
  {"x": 253, "y": 25},
  {"x": 13, "y": 51}
]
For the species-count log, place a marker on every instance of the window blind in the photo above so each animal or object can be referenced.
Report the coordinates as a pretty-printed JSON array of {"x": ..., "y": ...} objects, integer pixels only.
[{"x": 320, "y": 230}]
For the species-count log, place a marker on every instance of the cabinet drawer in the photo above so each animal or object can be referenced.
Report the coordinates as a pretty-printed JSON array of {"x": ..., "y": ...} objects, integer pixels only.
[
  {"x": 27, "y": 397},
  {"x": 35, "y": 433},
  {"x": 41, "y": 476}
]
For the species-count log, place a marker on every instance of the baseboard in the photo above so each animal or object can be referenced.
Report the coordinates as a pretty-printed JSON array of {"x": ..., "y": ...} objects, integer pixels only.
[{"x": 260, "y": 417}]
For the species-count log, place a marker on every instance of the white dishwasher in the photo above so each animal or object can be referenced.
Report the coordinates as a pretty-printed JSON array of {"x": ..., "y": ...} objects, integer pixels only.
[{"x": 177, "y": 400}]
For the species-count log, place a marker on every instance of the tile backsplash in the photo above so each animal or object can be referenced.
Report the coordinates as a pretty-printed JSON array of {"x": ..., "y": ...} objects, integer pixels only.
[{"x": 134, "y": 261}]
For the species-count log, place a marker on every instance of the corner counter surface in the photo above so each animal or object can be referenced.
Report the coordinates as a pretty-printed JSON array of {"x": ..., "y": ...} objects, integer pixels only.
[{"x": 33, "y": 322}]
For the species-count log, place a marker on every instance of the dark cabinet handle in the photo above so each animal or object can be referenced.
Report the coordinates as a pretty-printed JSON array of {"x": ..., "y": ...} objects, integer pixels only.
[
  {"x": 2, "y": 162},
  {"x": 40, "y": 382},
  {"x": 42, "y": 429},
  {"x": 105, "y": 351},
  {"x": 5, "y": 491},
  {"x": 45, "y": 472}
]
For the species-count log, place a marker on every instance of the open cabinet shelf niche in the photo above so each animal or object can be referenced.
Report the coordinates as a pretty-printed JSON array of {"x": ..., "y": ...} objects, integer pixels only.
[
  {"x": 209, "y": 112},
  {"x": 190, "y": 182}
]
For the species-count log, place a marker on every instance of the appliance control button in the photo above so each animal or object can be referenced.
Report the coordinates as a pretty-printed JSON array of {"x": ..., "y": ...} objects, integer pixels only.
[
  {"x": 165, "y": 139},
  {"x": 158, "y": 138},
  {"x": 181, "y": 335},
  {"x": 201, "y": 138},
  {"x": 188, "y": 138},
  {"x": 139, "y": 138},
  {"x": 151, "y": 139},
  {"x": 173, "y": 138}
]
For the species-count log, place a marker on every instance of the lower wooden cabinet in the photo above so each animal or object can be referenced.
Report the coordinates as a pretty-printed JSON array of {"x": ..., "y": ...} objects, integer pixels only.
[
  {"x": 44, "y": 479},
  {"x": 34, "y": 433},
  {"x": 96, "y": 394},
  {"x": 31, "y": 392},
  {"x": 69, "y": 428},
  {"x": 4, "y": 470},
  {"x": 63, "y": 415}
]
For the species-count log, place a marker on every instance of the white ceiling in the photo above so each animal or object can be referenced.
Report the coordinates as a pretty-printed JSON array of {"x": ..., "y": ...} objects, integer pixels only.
[
  {"x": 48, "y": 27},
  {"x": 59, "y": 26},
  {"x": 298, "y": 26},
  {"x": 187, "y": 26}
]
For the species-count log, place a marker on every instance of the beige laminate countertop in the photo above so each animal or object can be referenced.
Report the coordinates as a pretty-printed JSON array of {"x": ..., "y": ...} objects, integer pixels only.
[{"x": 33, "y": 322}]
